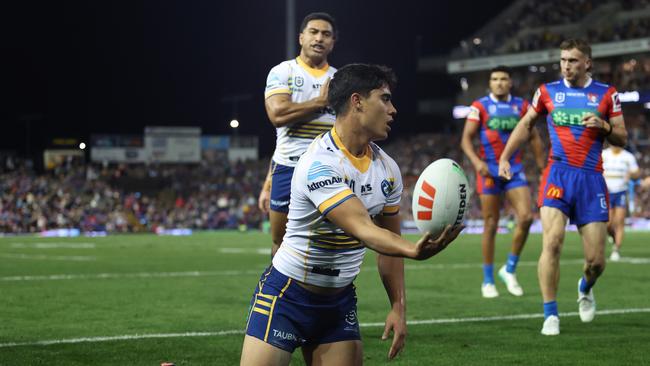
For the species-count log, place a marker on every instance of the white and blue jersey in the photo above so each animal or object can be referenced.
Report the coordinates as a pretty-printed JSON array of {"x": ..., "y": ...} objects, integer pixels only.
[{"x": 314, "y": 250}]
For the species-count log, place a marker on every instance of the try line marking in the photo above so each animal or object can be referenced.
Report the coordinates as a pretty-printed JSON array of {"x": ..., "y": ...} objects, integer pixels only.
[
  {"x": 258, "y": 272},
  {"x": 222, "y": 333}
]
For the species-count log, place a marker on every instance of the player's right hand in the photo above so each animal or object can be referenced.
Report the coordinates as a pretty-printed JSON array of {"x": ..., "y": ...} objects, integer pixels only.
[
  {"x": 427, "y": 247},
  {"x": 504, "y": 169},
  {"x": 324, "y": 89},
  {"x": 264, "y": 201}
]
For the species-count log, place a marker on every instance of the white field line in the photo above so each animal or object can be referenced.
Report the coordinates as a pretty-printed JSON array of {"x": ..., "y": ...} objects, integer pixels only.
[
  {"x": 410, "y": 267},
  {"x": 54, "y": 245},
  {"x": 76, "y": 258},
  {"x": 363, "y": 325},
  {"x": 262, "y": 251}
]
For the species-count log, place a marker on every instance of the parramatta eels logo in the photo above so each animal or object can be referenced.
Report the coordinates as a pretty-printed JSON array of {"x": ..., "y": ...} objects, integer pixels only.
[
  {"x": 426, "y": 202},
  {"x": 386, "y": 187},
  {"x": 299, "y": 81},
  {"x": 318, "y": 170}
]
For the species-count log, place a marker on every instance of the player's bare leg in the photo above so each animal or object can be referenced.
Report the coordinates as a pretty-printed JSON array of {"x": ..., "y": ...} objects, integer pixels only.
[
  {"x": 593, "y": 243},
  {"x": 519, "y": 198},
  {"x": 490, "y": 206},
  {"x": 617, "y": 223},
  {"x": 258, "y": 353},
  {"x": 347, "y": 353},
  {"x": 278, "y": 221},
  {"x": 548, "y": 270}
]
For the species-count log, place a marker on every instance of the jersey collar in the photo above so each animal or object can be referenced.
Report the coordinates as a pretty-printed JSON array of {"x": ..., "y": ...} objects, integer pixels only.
[
  {"x": 362, "y": 164},
  {"x": 313, "y": 71},
  {"x": 496, "y": 100}
]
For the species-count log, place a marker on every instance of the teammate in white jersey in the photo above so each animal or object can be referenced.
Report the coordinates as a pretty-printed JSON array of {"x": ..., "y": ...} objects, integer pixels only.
[
  {"x": 619, "y": 166},
  {"x": 296, "y": 104},
  {"x": 345, "y": 196}
]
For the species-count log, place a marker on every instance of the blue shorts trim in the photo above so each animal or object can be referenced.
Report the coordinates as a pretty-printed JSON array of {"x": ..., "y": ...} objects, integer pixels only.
[
  {"x": 280, "y": 187},
  {"x": 286, "y": 315},
  {"x": 618, "y": 199},
  {"x": 581, "y": 195},
  {"x": 497, "y": 185}
]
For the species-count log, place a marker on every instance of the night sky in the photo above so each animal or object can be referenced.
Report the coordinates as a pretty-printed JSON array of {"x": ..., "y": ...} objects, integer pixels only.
[{"x": 74, "y": 68}]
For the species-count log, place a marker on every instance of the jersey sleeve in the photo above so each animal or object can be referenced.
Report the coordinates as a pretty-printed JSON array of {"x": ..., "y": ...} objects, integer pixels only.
[
  {"x": 322, "y": 183},
  {"x": 613, "y": 103},
  {"x": 540, "y": 99},
  {"x": 277, "y": 82},
  {"x": 393, "y": 190},
  {"x": 474, "y": 112}
]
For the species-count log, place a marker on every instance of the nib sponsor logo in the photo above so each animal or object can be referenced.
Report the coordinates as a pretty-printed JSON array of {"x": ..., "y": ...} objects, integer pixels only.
[{"x": 426, "y": 202}]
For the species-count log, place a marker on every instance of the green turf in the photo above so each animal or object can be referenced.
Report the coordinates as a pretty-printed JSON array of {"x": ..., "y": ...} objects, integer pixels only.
[{"x": 211, "y": 290}]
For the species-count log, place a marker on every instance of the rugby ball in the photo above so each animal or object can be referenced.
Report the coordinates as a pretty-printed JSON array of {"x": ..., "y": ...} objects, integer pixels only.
[{"x": 440, "y": 197}]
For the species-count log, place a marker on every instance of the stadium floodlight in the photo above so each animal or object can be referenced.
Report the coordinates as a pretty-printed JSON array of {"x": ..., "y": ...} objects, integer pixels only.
[
  {"x": 82, "y": 145},
  {"x": 234, "y": 123}
]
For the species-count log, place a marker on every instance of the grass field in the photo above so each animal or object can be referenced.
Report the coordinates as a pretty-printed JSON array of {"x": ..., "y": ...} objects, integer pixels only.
[{"x": 143, "y": 299}]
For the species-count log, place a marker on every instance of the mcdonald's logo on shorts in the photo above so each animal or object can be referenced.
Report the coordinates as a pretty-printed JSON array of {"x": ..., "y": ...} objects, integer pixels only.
[
  {"x": 554, "y": 192},
  {"x": 489, "y": 182}
]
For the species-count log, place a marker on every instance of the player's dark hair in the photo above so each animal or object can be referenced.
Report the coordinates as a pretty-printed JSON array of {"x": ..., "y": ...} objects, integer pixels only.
[
  {"x": 577, "y": 43},
  {"x": 502, "y": 68},
  {"x": 357, "y": 78},
  {"x": 319, "y": 16}
]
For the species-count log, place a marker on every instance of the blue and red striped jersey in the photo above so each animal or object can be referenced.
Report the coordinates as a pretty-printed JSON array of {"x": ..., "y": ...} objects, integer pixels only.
[
  {"x": 497, "y": 120},
  {"x": 572, "y": 144}
]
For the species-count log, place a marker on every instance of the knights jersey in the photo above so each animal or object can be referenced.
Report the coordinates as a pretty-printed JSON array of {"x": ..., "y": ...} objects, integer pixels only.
[
  {"x": 303, "y": 83},
  {"x": 572, "y": 144},
  {"x": 616, "y": 168},
  {"x": 314, "y": 250},
  {"x": 497, "y": 119}
]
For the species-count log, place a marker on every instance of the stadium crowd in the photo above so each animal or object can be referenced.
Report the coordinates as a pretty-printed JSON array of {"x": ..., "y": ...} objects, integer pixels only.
[
  {"x": 99, "y": 198},
  {"x": 93, "y": 197},
  {"x": 539, "y": 26}
]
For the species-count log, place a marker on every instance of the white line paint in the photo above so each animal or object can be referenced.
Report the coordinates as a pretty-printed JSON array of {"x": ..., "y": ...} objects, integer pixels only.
[
  {"x": 54, "y": 245},
  {"x": 363, "y": 325},
  {"x": 409, "y": 267},
  {"x": 75, "y": 258},
  {"x": 261, "y": 251}
]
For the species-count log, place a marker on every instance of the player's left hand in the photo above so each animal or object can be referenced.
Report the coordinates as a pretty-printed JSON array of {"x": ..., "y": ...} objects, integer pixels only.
[
  {"x": 395, "y": 321},
  {"x": 504, "y": 170},
  {"x": 593, "y": 121}
]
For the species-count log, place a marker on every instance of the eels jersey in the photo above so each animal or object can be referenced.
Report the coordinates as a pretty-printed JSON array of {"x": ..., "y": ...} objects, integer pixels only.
[
  {"x": 314, "y": 250},
  {"x": 303, "y": 83},
  {"x": 572, "y": 144},
  {"x": 616, "y": 167},
  {"x": 497, "y": 119}
]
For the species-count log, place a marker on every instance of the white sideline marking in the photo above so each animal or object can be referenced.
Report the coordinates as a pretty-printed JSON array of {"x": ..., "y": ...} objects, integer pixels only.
[
  {"x": 264, "y": 251},
  {"x": 54, "y": 245},
  {"x": 258, "y": 272},
  {"x": 79, "y": 258},
  {"x": 363, "y": 325}
]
